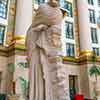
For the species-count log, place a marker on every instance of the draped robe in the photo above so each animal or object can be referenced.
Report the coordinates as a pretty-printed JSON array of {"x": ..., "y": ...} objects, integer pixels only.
[{"x": 43, "y": 47}]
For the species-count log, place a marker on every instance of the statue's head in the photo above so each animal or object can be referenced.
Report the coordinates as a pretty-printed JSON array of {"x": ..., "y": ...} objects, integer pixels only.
[{"x": 54, "y": 3}]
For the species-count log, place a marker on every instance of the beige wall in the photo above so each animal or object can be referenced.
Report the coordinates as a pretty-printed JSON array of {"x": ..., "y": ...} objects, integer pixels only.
[
  {"x": 20, "y": 72},
  {"x": 92, "y": 80},
  {"x": 85, "y": 81},
  {"x": 7, "y": 76},
  {"x": 72, "y": 70},
  {"x": 3, "y": 70}
]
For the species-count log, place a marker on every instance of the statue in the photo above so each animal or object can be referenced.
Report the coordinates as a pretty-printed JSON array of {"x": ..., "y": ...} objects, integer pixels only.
[{"x": 43, "y": 43}]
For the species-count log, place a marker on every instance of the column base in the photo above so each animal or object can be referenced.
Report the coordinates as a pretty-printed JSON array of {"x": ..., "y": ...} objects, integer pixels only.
[{"x": 87, "y": 53}]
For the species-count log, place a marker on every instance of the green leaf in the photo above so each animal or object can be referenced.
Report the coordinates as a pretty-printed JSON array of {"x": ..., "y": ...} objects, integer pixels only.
[
  {"x": 23, "y": 64},
  {"x": 95, "y": 70},
  {"x": 24, "y": 85}
]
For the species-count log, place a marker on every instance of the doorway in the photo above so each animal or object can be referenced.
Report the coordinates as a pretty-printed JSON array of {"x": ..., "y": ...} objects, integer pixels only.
[{"x": 73, "y": 86}]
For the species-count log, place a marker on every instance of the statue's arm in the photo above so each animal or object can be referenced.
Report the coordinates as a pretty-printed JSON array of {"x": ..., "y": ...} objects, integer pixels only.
[
  {"x": 30, "y": 38},
  {"x": 41, "y": 27},
  {"x": 28, "y": 43}
]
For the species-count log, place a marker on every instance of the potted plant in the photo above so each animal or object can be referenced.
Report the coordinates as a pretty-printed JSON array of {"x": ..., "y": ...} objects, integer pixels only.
[{"x": 95, "y": 71}]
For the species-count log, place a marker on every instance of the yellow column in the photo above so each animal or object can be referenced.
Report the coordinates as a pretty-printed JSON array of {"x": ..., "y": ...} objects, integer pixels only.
[
  {"x": 23, "y": 18},
  {"x": 84, "y": 28},
  {"x": 23, "y": 22}
]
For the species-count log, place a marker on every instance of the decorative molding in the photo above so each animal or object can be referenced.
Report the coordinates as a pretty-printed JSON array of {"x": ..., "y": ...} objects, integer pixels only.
[
  {"x": 12, "y": 50},
  {"x": 86, "y": 56},
  {"x": 20, "y": 46},
  {"x": 9, "y": 38},
  {"x": 71, "y": 59},
  {"x": 86, "y": 53},
  {"x": 13, "y": 9},
  {"x": 81, "y": 59},
  {"x": 98, "y": 58},
  {"x": 18, "y": 40},
  {"x": 18, "y": 37}
]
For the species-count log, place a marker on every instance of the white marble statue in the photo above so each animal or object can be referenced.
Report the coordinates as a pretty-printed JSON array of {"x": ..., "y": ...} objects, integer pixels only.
[{"x": 43, "y": 43}]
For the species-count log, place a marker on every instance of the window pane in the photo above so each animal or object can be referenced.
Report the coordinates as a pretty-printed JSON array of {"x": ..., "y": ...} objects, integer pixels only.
[
  {"x": 39, "y": 1},
  {"x": 92, "y": 16},
  {"x": 94, "y": 35},
  {"x": 68, "y": 6},
  {"x": 69, "y": 30},
  {"x": 96, "y": 50},
  {"x": 99, "y": 3},
  {"x": 91, "y": 2},
  {"x": 3, "y": 8},
  {"x": 2, "y": 30},
  {"x": 70, "y": 50}
]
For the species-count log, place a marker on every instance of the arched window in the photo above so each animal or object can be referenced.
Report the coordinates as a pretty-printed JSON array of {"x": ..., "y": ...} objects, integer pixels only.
[{"x": 3, "y": 8}]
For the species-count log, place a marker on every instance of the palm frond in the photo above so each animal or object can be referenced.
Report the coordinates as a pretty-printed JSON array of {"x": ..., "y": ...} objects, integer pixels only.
[
  {"x": 24, "y": 86},
  {"x": 23, "y": 64},
  {"x": 24, "y": 83},
  {"x": 95, "y": 70}
]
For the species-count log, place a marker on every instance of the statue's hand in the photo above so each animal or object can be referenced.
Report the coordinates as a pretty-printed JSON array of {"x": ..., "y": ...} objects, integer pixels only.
[{"x": 42, "y": 27}]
